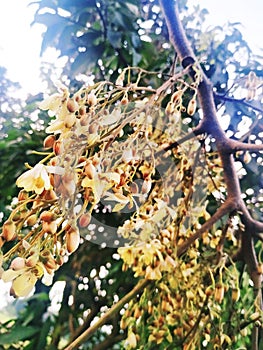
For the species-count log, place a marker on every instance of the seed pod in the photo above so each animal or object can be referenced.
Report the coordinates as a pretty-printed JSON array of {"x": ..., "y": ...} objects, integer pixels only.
[
  {"x": 9, "y": 231},
  {"x": 49, "y": 141},
  {"x": 72, "y": 240},
  {"x": 191, "y": 107}
]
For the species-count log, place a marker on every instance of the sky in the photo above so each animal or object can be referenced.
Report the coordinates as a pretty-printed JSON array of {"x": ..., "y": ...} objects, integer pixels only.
[{"x": 20, "y": 43}]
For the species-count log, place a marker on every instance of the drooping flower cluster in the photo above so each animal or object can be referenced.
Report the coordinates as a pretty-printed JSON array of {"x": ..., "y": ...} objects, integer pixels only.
[{"x": 107, "y": 145}]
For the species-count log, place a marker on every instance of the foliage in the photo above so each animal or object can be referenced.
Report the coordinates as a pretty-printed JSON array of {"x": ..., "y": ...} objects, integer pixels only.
[
  {"x": 19, "y": 135},
  {"x": 130, "y": 161}
]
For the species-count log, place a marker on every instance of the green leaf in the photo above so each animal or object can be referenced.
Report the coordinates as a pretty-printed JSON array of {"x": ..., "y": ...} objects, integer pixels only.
[
  {"x": 114, "y": 38},
  {"x": 17, "y": 334}
]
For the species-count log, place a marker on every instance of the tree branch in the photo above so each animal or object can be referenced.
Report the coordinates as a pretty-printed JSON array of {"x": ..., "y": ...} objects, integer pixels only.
[
  {"x": 226, "y": 147},
  {"x": 242, "y": 101},
  {"x": 108, "y": 315}
]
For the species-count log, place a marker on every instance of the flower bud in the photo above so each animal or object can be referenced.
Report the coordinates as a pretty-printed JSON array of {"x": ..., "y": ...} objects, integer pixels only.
[
  {"x": 32, "y": 260},
  {"x": 47, "y": 216},
  {"x": 82, "y": 110},
  {"x": 209, "y": 291},
  {"x": 93, "y": 128},
  {"x": 51, "y": 264},
  {"x": 84, "y": 120},
  {"x": 170, "y": 108},
  {"x": 90, "y": 170},
  {"x": 72, "y": 106},
  {"x": 22, "y": 195},
  {"x": 124, "y": 100},
  {"x": 18, "y": 263},
  {"x": 70, "y": 120},
  {"x": 31, "y": 220},
  {"x": 9, "y": 230},
  {"x": 92, "y": 99},
  {"x": 235, "y": 294},
  {"x": 146, "y": 186},
  {"x": 2, "y": 241},
  {"x": 50, "y": 227},
  {"x": 50, "y": 195},
  {"x": 84, "y": 220},
  {"x": 57, "y": 147},
  {"x": 219, "y": 293},
  {"x": 49, "y": 141},
  {"x": 260, "y": 269},
  {"x": 191, "y": 107},
  {"x": 120, "y": 79},
  {"x": 177, "y": 97},
  {"x": 72, "y": 240}
]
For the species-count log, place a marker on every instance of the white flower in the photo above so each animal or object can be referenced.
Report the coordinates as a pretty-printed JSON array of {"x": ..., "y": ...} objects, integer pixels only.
[
  {"x": 37, "y": 178},
  {"x": 23, "y": 280}
]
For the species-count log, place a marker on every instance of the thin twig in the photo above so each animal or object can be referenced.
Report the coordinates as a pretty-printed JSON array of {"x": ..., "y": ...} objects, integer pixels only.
[{"x": 108, "y": 315}]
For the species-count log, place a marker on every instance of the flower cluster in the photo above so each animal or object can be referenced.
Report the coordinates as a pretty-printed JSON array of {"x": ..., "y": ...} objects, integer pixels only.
[
  {"x": 107, "y": 145},
  {"x": 100, "y": 148}
]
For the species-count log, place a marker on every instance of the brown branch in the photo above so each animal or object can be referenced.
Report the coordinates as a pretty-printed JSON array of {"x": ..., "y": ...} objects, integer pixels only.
[
  {"x": 242, "y": 101},
  {"x": 226, "y": 208},
  {"x": 226, "y": 147},
  {"x": 109, "y": 341},
  {"x": 108, "y": 315}
]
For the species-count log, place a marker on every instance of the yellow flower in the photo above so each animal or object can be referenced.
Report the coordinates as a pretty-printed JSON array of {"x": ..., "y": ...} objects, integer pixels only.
[
  {"x": 127, "y": 254},
  {"x": 23, "y": 280},
  {"x": 153, "y": 273},
  {"x": 37, "y": 178},
  {"x": 131, "y": 341}
]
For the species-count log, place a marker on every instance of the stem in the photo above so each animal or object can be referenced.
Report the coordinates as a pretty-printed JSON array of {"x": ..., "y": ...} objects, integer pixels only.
[{"x": 108, "y": 315}]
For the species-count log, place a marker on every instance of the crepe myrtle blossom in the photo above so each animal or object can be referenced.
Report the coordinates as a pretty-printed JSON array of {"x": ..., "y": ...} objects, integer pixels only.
[{"x": 37, "y": 178}]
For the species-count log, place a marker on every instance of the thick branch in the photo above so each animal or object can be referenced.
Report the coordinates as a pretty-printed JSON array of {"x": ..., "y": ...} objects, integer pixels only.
[{"x": 210, "y": 123}]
